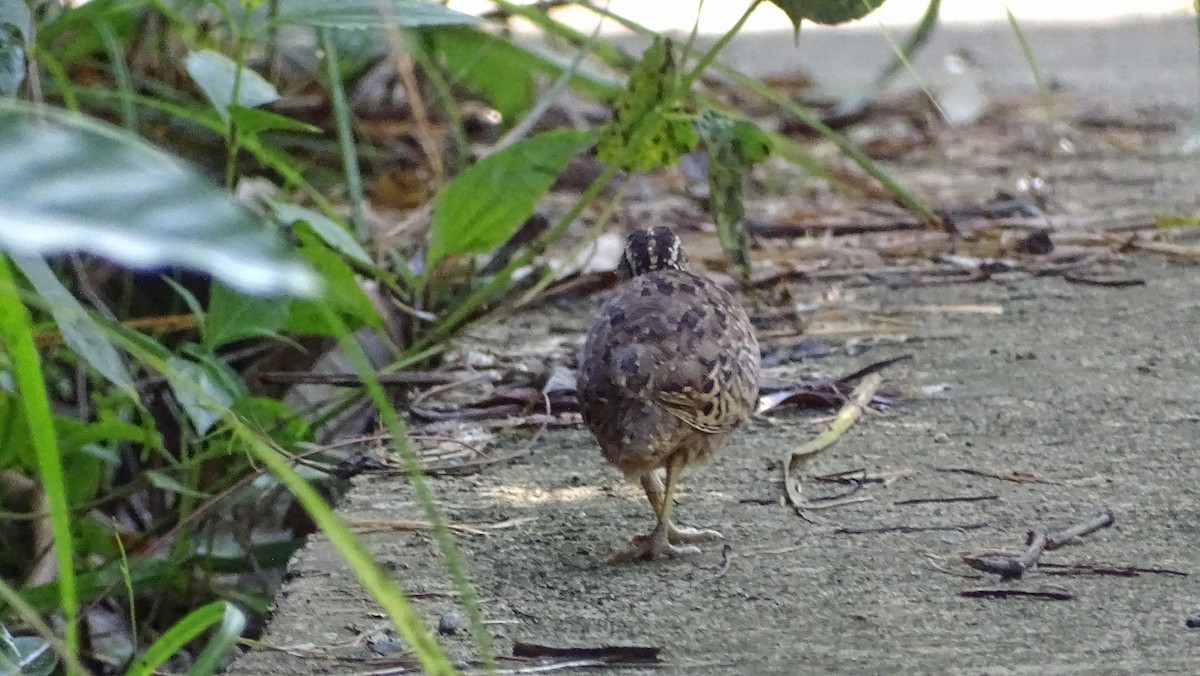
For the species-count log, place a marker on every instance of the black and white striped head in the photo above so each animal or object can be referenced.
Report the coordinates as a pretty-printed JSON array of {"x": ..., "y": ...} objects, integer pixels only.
[{"x": 650, "y": 249}]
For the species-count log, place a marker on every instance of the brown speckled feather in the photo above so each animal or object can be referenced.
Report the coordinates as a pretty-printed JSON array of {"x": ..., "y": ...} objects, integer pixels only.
[{"x": 670, "y": 365}]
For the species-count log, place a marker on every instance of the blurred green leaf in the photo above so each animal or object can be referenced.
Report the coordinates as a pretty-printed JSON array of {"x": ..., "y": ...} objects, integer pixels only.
[
  {"x": 365, "y": 14},
  {"x": 15, "y": 14},
  {"x": 15, "y": 450},
  {"x": 491, "y": 66},
  {"x": 202, "y": 388},
  {"x": 182, "y": 633},
  {"x": 25, "y": 655},
  {"x": 733, "y": 145},
  {"x": 233, "y": 316},
  {"x": 307, "y": 318},
  {"x": 106, "y": 429},
  {"x": 826, "y": 11},
  {"x": 152, "y": 576},
  {"x": 334, "y": 234},
  {"x": 168, "y": 483},
  {"x": 68, "y": 183},
  {"x": 233, "y": 623},
  {"x": 12, "y": 64},
  {"x": 85, "y": 473},
  {"x": 502, "y": 69},
  {"x": 256, "y": 121},
  {"x": 650, "y": 98},
  {"x": 80, "y": 332},
  {"x": 16, "y": 337},
  {"x": 485, "y": 204},
  {"x": 286, "y": 429},
  {"x": 217, "y": 76},
  {"x": 16, "y": 25}
]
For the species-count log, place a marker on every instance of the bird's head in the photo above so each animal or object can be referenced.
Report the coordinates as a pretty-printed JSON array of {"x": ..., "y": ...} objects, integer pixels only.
[{"x": 650, "y": 249}]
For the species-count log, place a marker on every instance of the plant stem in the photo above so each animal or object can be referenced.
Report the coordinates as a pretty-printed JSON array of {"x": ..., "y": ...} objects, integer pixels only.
[
  {"x": 341, "y": 113},
  {"x": 709, "y": 56}
]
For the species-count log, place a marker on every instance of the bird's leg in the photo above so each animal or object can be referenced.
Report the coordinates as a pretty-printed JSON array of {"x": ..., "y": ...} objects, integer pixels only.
[
  {"x": 653, "y": 485},
  {"x": 658, "y": 543}
]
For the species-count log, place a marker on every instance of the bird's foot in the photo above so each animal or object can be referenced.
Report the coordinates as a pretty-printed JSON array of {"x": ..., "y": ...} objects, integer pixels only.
[
  {"x": 677, "y": 535},
  {"x": 656, "y": 545}
]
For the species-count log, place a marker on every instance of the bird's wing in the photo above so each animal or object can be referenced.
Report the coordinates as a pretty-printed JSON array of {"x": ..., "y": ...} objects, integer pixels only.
[
  {"x": 693, "y": 386},
  {"x": 679, "y": 346}
]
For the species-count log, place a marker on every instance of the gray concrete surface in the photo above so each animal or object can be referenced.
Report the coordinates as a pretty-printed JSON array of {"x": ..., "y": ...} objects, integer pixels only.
[{"x": 1095, "y": 392}]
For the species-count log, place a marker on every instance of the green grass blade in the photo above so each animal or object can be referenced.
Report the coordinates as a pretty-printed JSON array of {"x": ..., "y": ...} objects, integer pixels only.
[
  {"x": 1039, "y": 80},
  {"x": 341, "y": 114},
  {"x": 179, "y": 635},
  {"x": 382, "y": 588},
  {"x": 233, "y": 623},
  {"x": 903, "y": 59},
  {"x": 412, "y": 466},
  {"x": 16, "y": 332}
]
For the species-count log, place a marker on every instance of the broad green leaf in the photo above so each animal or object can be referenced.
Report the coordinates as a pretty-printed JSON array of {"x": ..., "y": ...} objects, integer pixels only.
[
  {"x": 649, "y": 99},
  {"x": 202, "y": 390},
  {"x": 80, "y": 332},
  {"x": 485, "y": 204},
  {"x": 733, "y": 145},
  {"x": 342, "y": 290},
  {"x": 68, "y": 183},
  {"x": 233, "y": 316},
  {"x": 255, "y": 121},
  {"x": 86, "y": 470},
  {"x": 490, "y": 65},
  {"x": 217, "y": 76},
  {"x": 107, "y": 430},
  {"x": 826, "y": 11},
  {"x": 365, "y": 14},
  {"x": 334, "y": 234}
]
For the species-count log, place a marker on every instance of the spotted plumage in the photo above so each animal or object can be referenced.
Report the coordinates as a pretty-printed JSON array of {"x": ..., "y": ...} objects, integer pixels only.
[{"x": 668, "y": 371}]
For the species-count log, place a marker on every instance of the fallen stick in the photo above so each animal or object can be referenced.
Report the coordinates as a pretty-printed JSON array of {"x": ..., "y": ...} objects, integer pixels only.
[{"x": 1037, "y": 542}]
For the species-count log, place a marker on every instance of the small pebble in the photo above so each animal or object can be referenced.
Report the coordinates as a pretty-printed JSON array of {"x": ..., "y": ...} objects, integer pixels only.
[
  {"x": 449, "y": 623},
  {"x": 941, "y": 438}
]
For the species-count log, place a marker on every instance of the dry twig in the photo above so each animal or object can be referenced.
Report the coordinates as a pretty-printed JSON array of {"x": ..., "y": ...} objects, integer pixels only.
[{"x": 1010, "y": 567}]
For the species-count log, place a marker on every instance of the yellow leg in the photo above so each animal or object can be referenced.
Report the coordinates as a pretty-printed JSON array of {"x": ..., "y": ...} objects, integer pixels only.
[
  {"x": 653, "y": 487},
  {"x": 666, "y": 540}
]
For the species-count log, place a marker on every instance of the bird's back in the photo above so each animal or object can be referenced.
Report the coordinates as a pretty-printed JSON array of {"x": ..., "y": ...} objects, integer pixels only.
[{"x": 671, "y": 355}]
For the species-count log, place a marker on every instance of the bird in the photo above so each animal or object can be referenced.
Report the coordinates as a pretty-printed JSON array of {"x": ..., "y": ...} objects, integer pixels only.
[{"x": 668, "y": 371}]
